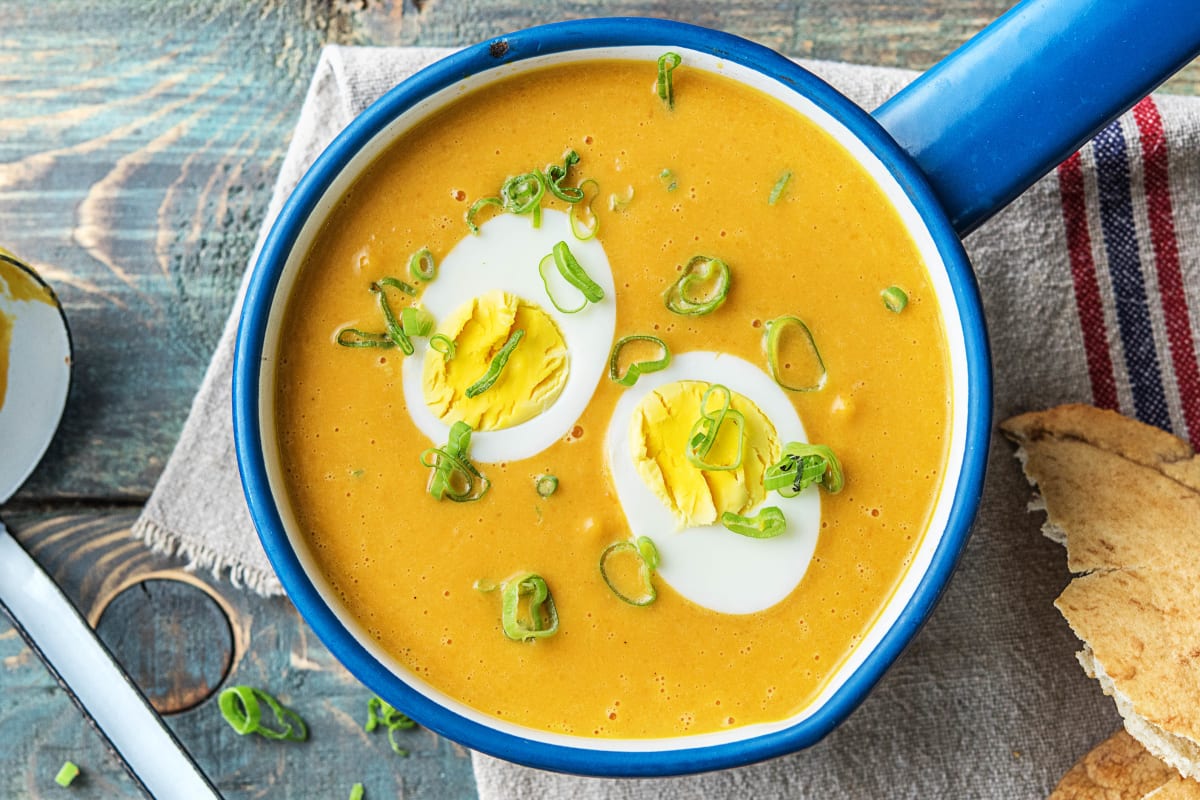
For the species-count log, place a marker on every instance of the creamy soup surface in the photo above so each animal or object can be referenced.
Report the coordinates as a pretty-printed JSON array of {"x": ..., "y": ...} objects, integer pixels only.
[{"x": 670, "y": 184}]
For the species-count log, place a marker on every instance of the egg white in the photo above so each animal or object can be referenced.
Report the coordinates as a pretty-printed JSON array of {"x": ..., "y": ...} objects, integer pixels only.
[
  {"x": 505, "y": 256},
  {"x": 710, "y": 565}
]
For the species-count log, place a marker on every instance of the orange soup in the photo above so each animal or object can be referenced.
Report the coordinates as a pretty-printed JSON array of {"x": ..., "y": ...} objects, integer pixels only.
[{"x": 723, "y": 222}]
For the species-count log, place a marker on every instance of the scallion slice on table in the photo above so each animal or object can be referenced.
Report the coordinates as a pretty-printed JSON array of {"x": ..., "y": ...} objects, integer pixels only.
[
  {"x": 704, "y": 432},
  {"x": 240, "y": 706},
  {"x": 701, "y": 289},
  {"x": 768, "y": 523},
  {"x": 380, "y": 712},
  {"x": 805, "y": 371},
  {"x": 496, "y": 367},
  {"x": 801, "y": 465},
  {"x": 67, "y": 773},
  {"x": 636, "y": 369},
  {"x": 540, "y": 618},
  {"x": 664, "y": 86},
  {"x": 646, "y": 556}
]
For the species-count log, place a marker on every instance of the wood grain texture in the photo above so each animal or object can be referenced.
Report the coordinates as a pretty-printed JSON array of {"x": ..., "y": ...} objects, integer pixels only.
[
  {"x": 93, "y": 555},
  {"x": 138, "y": 146}
]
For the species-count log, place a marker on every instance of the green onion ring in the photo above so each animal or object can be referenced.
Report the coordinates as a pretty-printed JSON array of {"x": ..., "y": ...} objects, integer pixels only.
[
  {"x": 637, "y": 368},
  {"x": 775, "y": 331},
  {"x": 616, "y": 202},
  {"x": 443, "y": 344},
  {"x": 415, "y": 322},
  {"x": 422, "y": 266},
  {"x": 476, "y": 207},
  {"x": 446, "y": 467},
  {"x": 645, "y": 552},
  {"x": 668, "y": 179},
  {"x": 546, "y": 485},
  {"x": 522, "y": 194},
  {"x": 494, "y": 369},
  {"x": 766, "y": 524},
  {"x": 705, "y": 430},
  {"x": 240, "y": 707},
  {"x": 575, "y": 275},
  {"x": 555, "y": 175},
  {"x": 538, "y": 627},
  {"x": 353, "y": 337},
  {"x": 67, "y": 773},
  {"x": 800, "y": 466},
  {"x": 582, "y": 231},
  {"x": 356, "y": 792},
  {"x": 544, "y": 265},
  {"x": 780, "y": 185},
  {"x": 381, "y": 712},
  {"x": 664, "y": 86},
  {"x": 699, "y": 271},
  {"x": 895, "y": 298},
  {"x": 394, "y": 331}
]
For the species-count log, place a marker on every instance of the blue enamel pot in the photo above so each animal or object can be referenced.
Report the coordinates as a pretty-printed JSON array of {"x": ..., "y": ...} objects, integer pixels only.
[{"x": 950, "y": 150}]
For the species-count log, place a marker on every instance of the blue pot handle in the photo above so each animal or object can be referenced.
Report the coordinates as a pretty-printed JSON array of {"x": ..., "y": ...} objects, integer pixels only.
[{"x": 1009, "y": 105}]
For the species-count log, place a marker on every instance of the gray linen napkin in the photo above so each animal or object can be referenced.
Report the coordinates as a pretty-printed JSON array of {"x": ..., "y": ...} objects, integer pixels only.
[{"x": 1088, "y": 283}]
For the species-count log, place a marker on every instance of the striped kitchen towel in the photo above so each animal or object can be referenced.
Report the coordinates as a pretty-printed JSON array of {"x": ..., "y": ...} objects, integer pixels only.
[{"x": 1091, "y": 287}]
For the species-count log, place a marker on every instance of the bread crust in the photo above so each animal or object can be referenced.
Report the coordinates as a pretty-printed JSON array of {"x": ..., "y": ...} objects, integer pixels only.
[
  {"x": 1124, "y": 498},
  {"x": 1118, "y": 768}
]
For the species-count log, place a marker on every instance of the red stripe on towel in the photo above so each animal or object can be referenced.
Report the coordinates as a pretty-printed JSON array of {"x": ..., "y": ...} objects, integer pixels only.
[
  {"x": 1166, "y": 256},
  {"x": 1087, "y": 290}
]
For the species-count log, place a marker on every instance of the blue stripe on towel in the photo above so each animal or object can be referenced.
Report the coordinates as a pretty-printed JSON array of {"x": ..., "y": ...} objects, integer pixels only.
[{"x": 1129, "y": 286}]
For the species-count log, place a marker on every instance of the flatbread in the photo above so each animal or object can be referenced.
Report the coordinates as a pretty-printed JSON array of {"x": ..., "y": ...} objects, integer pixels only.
[
  {"x": 1118, "y": 768},
  {"x": 1178, "y": 788},
  {"x": 1124, "y": 498}
]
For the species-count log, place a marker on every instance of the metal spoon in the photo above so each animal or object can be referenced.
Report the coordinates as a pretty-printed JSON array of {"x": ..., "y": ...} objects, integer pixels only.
[{"x": 35, "y": 374}]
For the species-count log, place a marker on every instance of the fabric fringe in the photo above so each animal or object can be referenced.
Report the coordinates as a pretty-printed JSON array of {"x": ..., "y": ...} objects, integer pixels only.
[{"x": 199, "y": 556}]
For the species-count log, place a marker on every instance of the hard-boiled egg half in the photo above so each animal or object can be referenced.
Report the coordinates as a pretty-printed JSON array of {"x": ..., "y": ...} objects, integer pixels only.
[
  {"x": 488, "y": 288},
  {"x": 678, "y": 506}
]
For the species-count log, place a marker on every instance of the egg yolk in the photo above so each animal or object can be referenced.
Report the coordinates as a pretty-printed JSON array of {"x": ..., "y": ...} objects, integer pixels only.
[
  {"x": 530, "y": 381},
  {"x": 660, "y": 428}
]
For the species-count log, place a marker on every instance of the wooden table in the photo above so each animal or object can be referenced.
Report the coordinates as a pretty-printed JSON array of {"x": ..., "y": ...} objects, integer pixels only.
[{"x": 138, "y": 146}]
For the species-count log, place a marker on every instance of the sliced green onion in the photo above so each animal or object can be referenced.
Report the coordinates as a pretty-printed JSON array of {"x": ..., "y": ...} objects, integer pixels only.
[
  {"x": 895, "y": 298},
  {"x": 484, "y": 585},
  {"x": 353, "y": 337},
  {"x": 801, "y": 465},
  {"x": 555, "y": 175},
  {"x": 240, "y": 707},
  {"x": 668, "y": 179},
  {"x": 494, "y": 369},
  {"x": 636, "y": 369},
  {"x": 443, "y": 344},
  {"x": 664, "y": 86},
  {"x": 704, "y": 432},
  {"x": 415, "y": 322},
  {"x": 66, "y": 774},
  {"x": 570, "y": 269},
  {"x": 356, "y": 792},
  {"x": 766, "y": 524},
  {"x": 647, "y": 558},
  {"x": 478, "y": 206},
  {"x": 543, "y": 266},
  {"x": 454, "y": 476},
  {"x": 522, "y": 194},
  {"x": 546, "y": 485},
  {"x": 394, "y": 330},
  {"x": 542, "y": 616},
  {"x": 380, "y": 712},
  {"x": 422, "y": 266},
  {"x": 776, "y": 328},
  {"x": 616, "y": 202},
  {"x": 701, "y": 289},
  {"x": 780, "y": 185},
  {"x": 582, "y": 229}
]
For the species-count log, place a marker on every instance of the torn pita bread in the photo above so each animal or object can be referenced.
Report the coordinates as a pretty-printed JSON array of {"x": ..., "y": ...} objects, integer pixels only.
[
  {"x": 1178, "y": 788},
  {"x": 1124, "y": 498},
  {"x": 1118, "y": 768}
]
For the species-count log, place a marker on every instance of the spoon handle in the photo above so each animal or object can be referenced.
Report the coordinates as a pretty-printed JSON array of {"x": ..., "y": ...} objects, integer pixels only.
[
  {"x": 83, "y": 666},
  {"x": 1002, "y": 110}
]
